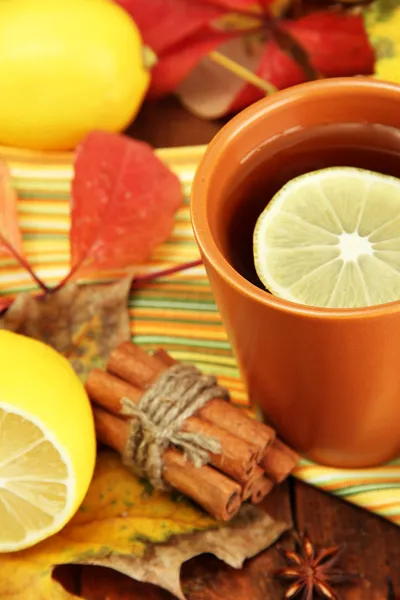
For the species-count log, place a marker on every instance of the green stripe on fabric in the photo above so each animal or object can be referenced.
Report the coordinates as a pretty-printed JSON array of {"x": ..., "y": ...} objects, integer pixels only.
[
  {"x": 162, "y": 340},
  {"x": 188, "y": 321},
  {"x": 40, "y": 237},
  {"x": 171, "y": 304},
  {"x": 366, "y": 487},
  {"x": 43, "y": 195}
]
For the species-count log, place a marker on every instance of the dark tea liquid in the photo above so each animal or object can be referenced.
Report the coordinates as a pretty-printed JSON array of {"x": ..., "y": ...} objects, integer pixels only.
[{"x": 295, "y": 152}]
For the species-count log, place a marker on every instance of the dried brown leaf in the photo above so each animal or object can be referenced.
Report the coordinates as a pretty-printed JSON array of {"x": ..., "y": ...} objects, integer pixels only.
[
  {"x": 82, "y": 322},
  {"x": 135, "y": 530},
  {"x": 250, "y": 532}
]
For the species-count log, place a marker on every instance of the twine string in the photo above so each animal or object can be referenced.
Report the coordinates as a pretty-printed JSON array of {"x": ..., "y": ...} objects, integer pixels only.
[{"x": 156, "y": 422}]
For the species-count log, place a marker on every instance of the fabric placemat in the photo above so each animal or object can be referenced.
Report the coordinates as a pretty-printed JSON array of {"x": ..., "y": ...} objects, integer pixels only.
[{"x": 177, "y": 312}]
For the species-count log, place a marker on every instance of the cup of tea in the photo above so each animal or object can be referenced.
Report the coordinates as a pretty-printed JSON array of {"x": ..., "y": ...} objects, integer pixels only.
[{"x": 328, "y": 379}]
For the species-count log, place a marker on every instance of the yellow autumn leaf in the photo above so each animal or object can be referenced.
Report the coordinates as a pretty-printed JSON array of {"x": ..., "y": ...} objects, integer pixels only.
[
  {"x": 120, "y": 521},
  {"x": 382, "y": 21},
  {"x": 120, "y": 515}
]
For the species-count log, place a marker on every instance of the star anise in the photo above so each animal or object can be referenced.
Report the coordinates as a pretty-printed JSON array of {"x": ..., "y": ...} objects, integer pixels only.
[{"x": 312, "y": 571}]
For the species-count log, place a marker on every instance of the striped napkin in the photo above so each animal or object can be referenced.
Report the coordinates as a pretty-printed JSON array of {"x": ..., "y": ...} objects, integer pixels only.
[{"x": 178, "y": 312}]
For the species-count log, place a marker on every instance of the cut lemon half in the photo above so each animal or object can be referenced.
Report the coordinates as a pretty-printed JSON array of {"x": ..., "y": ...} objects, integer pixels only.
[
  {"x": 331, "y": 238},
  {"x": 47, "y": 442}
]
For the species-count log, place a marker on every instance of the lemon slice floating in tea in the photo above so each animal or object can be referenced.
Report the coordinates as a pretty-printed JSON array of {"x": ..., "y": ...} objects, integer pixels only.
[
  {"x": 47, "y": 442},
  {"x": 331, "y": 238}
]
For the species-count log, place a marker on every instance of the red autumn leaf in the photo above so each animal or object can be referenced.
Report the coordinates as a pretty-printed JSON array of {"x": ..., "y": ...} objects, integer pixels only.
[
  {"x": 178, "y": 31},
  {"x": 4, "y": 303},
  {"x": 164, "y": 23},
  {"x": 176, "y": 65},
  {"x": 237, "y": 5},
  {"x": 336, "y": 43},
  {"x": 123, "y": 202},
  {"x": 9, "y": 227}
]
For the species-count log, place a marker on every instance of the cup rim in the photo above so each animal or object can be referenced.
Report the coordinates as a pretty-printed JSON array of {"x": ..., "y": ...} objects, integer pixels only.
[{"x": 198, "y": 207}]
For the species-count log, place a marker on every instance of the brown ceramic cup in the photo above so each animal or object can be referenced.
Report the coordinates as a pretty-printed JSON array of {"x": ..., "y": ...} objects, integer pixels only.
[{"x": 328, "y": 380}]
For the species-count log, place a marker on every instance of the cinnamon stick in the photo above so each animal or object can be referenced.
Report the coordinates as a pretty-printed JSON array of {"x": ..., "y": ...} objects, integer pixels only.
[
  {"x": 108, "y": 390},
  {"x": 162, "y": 355},
  {"x": 251, "y": 484},
  {"x": 237, "y": 458},
  {"x": 216, "y": 493},
  {"x": 262, "y": 489},
  {"x": 235, "y": 420},
  {"x": 133, "y": 364},
  {"x": 279, "y": 461},
  {"x": 257, "y": 487}
]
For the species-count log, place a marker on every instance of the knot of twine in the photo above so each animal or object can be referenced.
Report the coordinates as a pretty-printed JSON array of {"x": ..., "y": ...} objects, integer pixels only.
[{"x": 175, "y": 396}]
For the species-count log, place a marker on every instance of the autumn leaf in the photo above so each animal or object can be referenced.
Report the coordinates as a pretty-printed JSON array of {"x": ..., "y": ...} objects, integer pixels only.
[
  {"x": 284, "y": 54},
  {"x": 166, "y": 26},
  {"x": 138, "y": 531},
  {"x": 4, "y": 303},
  {"x": 182, "y": 32},
  {"x": 203, "y": 578},
  {"x": 165, "y": 23},
  {"x": 178, "y": 63},
  {"x": 84, "y": 323},
  {"x": 336, "y": 44},
  {"x": 123, "y": 203},
  {"x": 9, "y": 226}
]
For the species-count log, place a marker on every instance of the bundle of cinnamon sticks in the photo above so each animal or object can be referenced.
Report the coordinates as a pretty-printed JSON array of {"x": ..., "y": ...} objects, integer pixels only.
[{"x": 251, "y": 459}]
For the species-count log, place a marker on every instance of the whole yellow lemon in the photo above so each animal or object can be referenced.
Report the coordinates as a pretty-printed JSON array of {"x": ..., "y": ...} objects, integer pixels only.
[
  {"x": 67, "y": 67},
  {"x": 47, "y": 442}
]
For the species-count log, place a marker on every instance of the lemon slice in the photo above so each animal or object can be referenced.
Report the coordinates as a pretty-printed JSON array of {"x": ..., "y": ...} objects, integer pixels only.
[
  {"x": 47, "y": 442},
  {"x": 331, "y": 238}
]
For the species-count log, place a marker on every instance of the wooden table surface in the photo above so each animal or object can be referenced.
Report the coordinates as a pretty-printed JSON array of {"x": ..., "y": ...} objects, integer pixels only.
[{"x": 373, "y": 544}]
